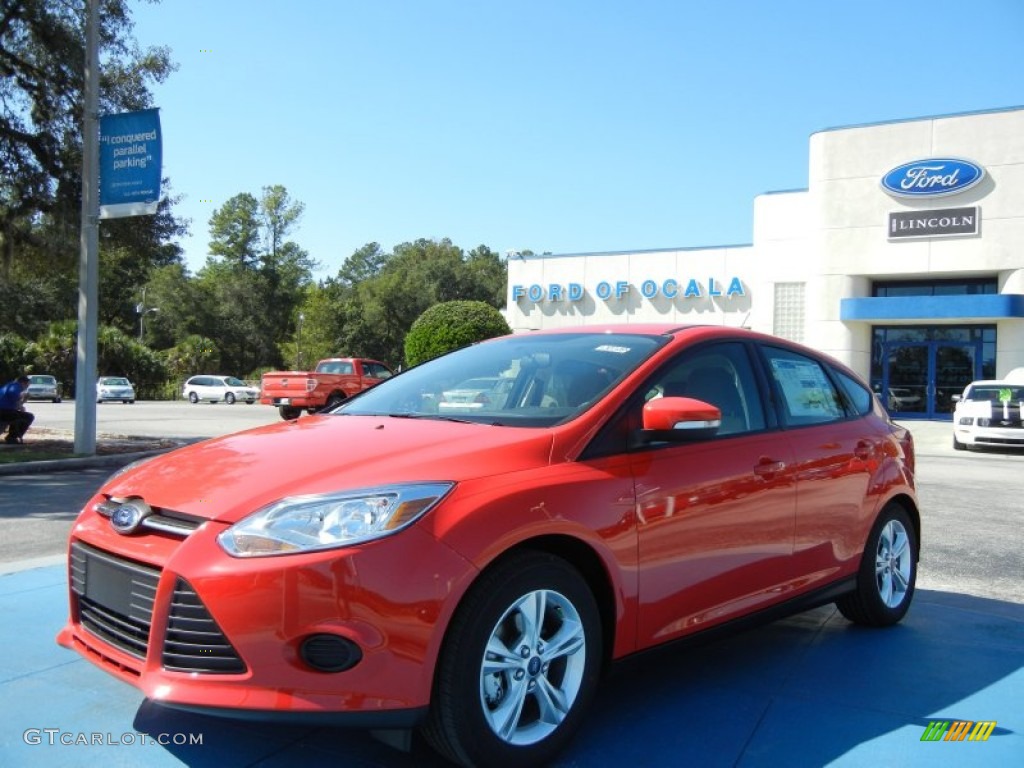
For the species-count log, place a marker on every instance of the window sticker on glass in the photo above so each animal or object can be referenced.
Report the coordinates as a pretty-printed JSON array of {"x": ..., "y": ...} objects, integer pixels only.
[
  {"x": 611, "y": 348},
  {"x": 806, "y": 388}
]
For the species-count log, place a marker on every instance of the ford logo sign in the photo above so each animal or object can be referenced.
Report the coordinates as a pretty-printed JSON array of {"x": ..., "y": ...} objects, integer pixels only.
[
  {"x": 129, "y": 516},
  {"x": 932, "y": 178}
]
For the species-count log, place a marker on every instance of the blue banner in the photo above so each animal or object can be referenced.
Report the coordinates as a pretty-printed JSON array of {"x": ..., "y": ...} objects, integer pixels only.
[{"x": 130, "y": 164}]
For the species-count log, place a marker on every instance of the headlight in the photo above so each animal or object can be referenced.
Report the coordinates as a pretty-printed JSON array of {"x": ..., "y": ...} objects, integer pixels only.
[{"x": 326, "y": 521}]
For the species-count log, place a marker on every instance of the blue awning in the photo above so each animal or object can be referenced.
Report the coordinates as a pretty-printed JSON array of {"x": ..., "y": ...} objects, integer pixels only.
[{"x": 978, "y": 307}]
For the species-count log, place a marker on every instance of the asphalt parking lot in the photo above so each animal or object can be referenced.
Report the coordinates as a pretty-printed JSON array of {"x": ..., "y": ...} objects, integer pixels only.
[{"x": 811, "y": 690}]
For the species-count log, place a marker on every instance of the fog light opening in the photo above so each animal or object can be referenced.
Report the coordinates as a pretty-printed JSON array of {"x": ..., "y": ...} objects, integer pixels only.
[{"x": 329, "y": 653}]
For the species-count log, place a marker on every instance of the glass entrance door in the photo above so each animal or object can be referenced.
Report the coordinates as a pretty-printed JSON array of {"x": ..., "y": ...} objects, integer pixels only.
[
  {"x": 905, "y": 379},
  {"x": 956, "y": 366},
  {"x": 919, "y": 379}
]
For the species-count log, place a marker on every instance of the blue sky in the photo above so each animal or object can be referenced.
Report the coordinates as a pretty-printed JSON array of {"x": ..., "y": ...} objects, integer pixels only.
[{"x": 565, "y": 126}]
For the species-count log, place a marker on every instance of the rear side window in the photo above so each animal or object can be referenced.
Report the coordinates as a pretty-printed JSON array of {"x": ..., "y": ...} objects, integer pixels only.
[
  {"x": 859, "y": 397},
  {"x": 808, "y": 395}
]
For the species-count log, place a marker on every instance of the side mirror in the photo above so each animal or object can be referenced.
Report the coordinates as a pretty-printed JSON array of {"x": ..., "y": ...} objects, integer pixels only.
[
  {"x": 679, "y": 420},
  {"x": 955, "y": 398}
]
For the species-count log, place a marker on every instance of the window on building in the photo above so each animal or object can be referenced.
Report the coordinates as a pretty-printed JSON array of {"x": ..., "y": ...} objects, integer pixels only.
[
  {"x": 971, "y": 287},
  {"x": 789, "y": 311}
]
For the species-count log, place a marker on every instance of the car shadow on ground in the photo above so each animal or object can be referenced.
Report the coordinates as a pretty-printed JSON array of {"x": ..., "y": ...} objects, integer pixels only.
[{"x": 811, "y": 690}]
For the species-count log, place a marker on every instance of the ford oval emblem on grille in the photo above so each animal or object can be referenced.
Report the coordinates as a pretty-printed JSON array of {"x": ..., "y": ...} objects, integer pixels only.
[
  {"x": 932, "y": 178},
  {"x": 129, "y": 516}
]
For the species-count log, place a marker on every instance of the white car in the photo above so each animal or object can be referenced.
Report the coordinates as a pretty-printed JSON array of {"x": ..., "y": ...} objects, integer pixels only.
[
  {"x": 42, "y": 387},
  {"x": 112, "y": 388},
  {"x": 216, "y": 389},
  {"x": 486, "y": 392},
  {"x": 988, "y": 413}
]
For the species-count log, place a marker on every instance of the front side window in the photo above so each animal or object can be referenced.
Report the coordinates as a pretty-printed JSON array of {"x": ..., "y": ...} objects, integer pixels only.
[{"x": 720, "y": 374}]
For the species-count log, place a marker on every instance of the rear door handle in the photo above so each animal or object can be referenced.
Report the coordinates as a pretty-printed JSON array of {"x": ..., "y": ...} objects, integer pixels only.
[{"x": 768, "y": 468}]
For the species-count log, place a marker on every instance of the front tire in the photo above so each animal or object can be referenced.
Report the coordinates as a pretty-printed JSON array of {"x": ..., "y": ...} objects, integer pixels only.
[
  {"x": 957, "y": 445},
  {"x": 519, "y": 665},
  {"x": 888, "y": 572}
]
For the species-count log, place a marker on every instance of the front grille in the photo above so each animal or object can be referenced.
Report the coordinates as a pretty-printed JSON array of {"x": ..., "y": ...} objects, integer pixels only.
[
  {"x": 194, "y": 642},
  {"x": 115, "y": 597},
  {"x": 177, "y": 524}
]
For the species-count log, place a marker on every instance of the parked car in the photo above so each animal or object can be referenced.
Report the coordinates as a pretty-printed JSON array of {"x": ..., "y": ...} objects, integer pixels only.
[
  {"x": 112, "y": 388},
  {"x": 988, "y": 413},
  {"x": 43, "y": 387},
  {"x": 473, "y": 574},
  {"x": 903, "y": 399},
  {"x": 216, "y": 389},
  {"x": 484, "y": 392},
  {"x": 332, "y": 381}
]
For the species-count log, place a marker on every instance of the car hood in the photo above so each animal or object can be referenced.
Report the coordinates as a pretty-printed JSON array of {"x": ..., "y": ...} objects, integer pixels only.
[
  {"x": 987, "y": 409},
  {"x": 230, "y": 477}
]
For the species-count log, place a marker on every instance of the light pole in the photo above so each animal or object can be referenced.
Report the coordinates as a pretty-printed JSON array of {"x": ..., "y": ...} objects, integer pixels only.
[
  {"x": 141, "y": 317},
  {"x": 298, "y": 343},
  {"x": 142, "y": 310}
]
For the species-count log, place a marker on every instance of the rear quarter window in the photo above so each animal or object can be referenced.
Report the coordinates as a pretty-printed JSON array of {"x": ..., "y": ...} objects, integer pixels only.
[{"x": 859, "y": 397}]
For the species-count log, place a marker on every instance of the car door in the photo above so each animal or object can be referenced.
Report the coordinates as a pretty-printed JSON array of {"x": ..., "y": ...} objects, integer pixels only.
[
  {"x": 715, "y": 517},
  {"x": 836, "y": 452}
]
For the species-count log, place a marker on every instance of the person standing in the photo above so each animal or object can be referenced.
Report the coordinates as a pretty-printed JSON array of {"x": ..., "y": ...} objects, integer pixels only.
[{"x": 12, "y": 410}]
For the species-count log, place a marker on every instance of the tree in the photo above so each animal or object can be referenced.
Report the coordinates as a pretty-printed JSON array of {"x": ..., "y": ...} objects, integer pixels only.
[
  {"x": 235, "y": 233},
  {"x": 449, "y": 326},
  {"x": 255, "y": 279},
  {"x": 42, "y": 48},
  {"x": 389, "y": 291}
]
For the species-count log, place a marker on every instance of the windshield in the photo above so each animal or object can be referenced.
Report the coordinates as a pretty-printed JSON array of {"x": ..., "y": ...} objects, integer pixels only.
[
  {"x": 994, "y": 393},
  {"x": 532, "y": 380},
  {"x": 42, "y": 380}
]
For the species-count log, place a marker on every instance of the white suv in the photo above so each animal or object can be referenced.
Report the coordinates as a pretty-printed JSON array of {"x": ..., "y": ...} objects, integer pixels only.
[{"x": 219, "y": 388}]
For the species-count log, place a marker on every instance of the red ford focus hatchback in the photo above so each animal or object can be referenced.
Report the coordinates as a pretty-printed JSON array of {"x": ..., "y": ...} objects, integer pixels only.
[{"x": 471, "y": 571}]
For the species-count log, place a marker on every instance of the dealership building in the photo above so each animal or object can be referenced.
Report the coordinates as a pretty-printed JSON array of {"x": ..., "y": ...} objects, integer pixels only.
[{"x": 904, "y": 258}]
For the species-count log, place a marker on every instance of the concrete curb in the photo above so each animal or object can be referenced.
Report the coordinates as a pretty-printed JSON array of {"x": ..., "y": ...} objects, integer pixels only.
[{"x": 112, "y": 460}]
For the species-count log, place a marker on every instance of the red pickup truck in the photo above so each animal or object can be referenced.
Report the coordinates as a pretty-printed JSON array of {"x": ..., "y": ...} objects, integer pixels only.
[{"x": 334, "y": 379}]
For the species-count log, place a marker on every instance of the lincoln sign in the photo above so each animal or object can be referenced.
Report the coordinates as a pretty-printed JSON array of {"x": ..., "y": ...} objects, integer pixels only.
[{"x": 948, "y": 222}]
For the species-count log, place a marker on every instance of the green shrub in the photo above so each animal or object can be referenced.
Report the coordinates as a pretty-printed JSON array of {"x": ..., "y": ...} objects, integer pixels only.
[{"x": 451, "y": 325}]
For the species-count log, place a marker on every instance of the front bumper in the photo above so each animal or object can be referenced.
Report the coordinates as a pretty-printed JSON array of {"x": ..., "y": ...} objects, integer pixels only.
[
  {"x": 995, "y": 437},
  {"x": 130, "y": 596}
]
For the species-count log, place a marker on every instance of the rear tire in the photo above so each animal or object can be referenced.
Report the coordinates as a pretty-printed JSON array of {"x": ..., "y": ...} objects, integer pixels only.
[
  {"x": 229, "y": 398},
  {"x": 289, "y": 412},
  {"x": 193, "y": 398},
  {"x": 888, "y": 572},
  {"x": 519, "y": 665}
]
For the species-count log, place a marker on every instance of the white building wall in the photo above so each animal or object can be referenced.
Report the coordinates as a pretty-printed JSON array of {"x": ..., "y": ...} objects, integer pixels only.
[{"x": 831, "y": 239}]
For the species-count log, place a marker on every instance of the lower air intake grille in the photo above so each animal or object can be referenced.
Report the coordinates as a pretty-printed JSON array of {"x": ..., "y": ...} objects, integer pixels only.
[
  {"x": 115, "y": 597},
  {"x": 194, "y": 642}
]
